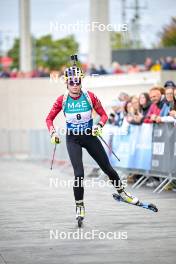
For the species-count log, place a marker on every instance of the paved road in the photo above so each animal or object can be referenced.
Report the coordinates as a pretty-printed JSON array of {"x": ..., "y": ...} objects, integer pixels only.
[{"x": 34, "y": 214}]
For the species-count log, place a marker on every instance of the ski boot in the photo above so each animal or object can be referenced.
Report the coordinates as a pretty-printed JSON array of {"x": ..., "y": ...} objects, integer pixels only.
[{"x": 127, "y": 197}]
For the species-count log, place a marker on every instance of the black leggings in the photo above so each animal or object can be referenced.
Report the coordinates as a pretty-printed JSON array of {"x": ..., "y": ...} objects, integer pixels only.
[{"x": 92, "y": 144}]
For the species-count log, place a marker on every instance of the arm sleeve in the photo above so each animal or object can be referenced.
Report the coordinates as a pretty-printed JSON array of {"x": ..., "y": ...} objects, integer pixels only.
[
  {"x": 57, "y": 107},
  {"x": 167, "y": 119},
  {"x": 98, "y": 108}
]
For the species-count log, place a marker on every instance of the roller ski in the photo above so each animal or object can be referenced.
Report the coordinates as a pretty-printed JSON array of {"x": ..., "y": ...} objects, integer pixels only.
[
  {"x": 80, "y": 214},
  {"x": 126, "y": 197}
]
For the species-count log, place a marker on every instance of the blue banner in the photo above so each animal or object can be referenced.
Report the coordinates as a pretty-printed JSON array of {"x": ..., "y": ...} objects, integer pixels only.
[{"x": 133, "y": 146}]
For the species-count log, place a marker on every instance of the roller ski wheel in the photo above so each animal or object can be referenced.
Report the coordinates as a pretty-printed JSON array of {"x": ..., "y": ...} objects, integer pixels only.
[
  {"x": 80, "y": 221},
  {"x": 153, "y": 207}
]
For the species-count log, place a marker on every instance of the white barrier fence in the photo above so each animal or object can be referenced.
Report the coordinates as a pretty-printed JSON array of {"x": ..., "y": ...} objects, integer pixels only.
[{"x": 33, "y": 144}]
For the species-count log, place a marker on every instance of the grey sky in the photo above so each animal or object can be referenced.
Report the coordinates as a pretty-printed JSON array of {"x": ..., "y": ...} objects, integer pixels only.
[{"x": 157, "y": 14}]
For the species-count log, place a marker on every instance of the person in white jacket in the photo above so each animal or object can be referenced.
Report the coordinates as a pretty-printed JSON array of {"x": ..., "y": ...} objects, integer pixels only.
[{"x": 168, "y": 111}]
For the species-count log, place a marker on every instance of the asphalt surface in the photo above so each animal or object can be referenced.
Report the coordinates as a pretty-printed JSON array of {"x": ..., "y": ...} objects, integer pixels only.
[{"x": 37, "y": 221}]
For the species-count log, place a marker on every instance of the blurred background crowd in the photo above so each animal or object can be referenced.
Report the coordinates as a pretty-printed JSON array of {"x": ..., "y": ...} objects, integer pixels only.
[
  {"x": 132, "y": 51},
  {"x": 164, "y": 63},
  {"x": 156, "y": 106}
]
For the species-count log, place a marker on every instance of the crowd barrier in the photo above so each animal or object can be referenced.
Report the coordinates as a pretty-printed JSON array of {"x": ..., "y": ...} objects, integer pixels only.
[{"x": 148, "y": 149}]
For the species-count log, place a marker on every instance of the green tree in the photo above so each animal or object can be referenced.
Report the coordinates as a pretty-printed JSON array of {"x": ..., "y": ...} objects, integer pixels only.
[
  {"x": 168, "y": 34},
  {"x": 14, "y": 53},
  {"x": 48, "y": 52},
  {"x": 120, "y": 40}
]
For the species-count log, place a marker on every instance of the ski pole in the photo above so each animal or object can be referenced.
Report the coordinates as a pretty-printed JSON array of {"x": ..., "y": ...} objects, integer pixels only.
[
  {"x": 109, "y": 147},
  {"x": 52, "y": 161}
]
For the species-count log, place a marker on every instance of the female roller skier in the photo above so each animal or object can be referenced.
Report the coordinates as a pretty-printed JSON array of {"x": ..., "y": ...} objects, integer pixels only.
[{"x": 77, "y": 105}]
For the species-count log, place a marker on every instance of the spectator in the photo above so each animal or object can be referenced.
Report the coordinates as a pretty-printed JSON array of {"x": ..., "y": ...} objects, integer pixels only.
[
  {"x": 173, "y": 66},
  {"x": 162, "y": 61},
  {"x": 13, "y": 73},
  {"x": 20, "y": 74},
  {"x": 135, "y": 104},
  {"x": 169, "y": 105},
  {"x": 136, "y": 117},
  {"x": 39, "y": 71},
  {"x": 93, "y": 70},
  {"x": 102, "y": 70},
  {"x": 85, "y": 67},
  {"x": 170, "y": 84},
  {"x": 134, "y": 68},
  {"x": 118, "y": 108},
  {"x": 111, "y": 119},
  {"x": 116, "y": 68},
  {"x": 167, "y": 64},
  {"x": 123, "y": 97},
  {"x": 46, "y": 72},
  {"x": 168, "y": 112},
  {"x": 131, "y": 113},
  {"x": 148, "y": 64},
  {"x": 156, "y": 106},
  {"x": 128, "y": 113},
  {"x": 153, "y": 112},
  {"x": 128, "y": 109},
  {"x": 145, "y": 103},
  {"x": 5, "y": 73},
  {"x": 156, "y": 67},
  {"x": 34, "y": 73}
]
